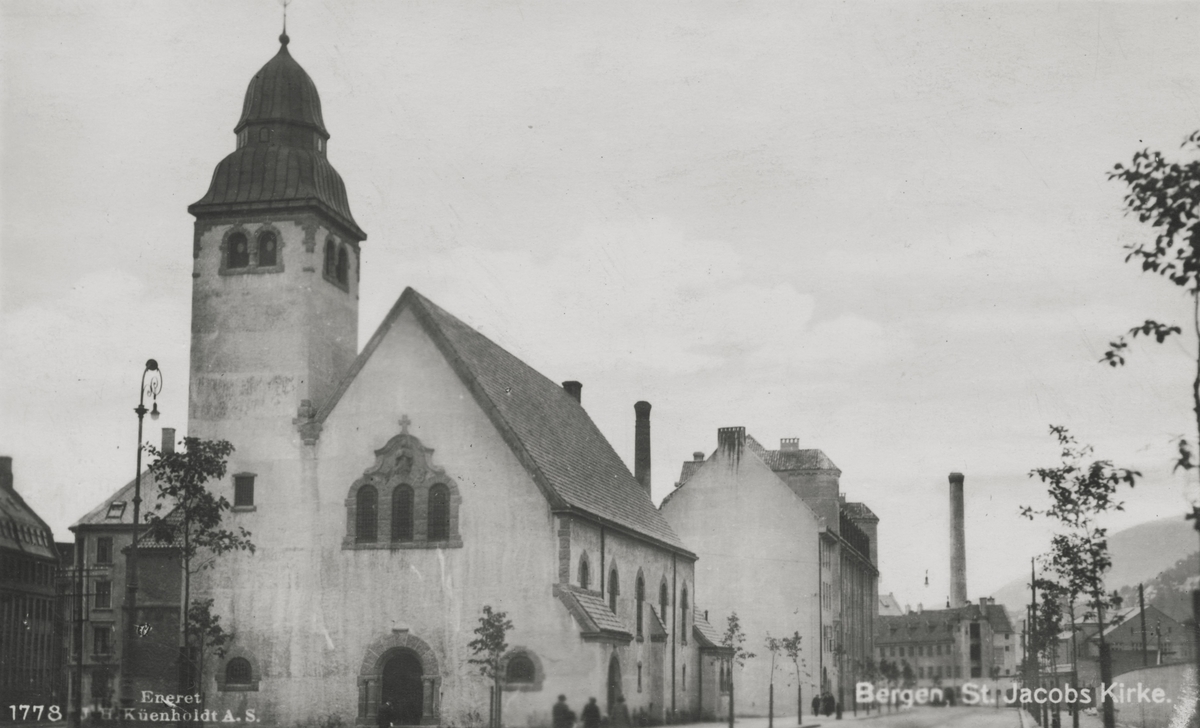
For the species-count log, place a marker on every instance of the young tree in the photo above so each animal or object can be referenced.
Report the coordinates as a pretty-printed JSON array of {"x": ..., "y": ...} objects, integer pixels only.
[
  {"x": 1080, "y": 492},
  {"x": 791, "y": 647},
  {"x": 489, "y": 647},
  {"x": 206, "y": 632},
  {"x": 734, "y": 639},
  {"x": 189, "y": 517}
]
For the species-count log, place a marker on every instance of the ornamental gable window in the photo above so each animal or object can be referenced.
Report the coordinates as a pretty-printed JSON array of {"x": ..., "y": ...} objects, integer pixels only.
[{"x": 415, "y": 502}]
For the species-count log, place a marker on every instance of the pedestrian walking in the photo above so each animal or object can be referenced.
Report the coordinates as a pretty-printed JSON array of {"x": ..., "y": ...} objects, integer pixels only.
[{"x": 590, "y": 715}]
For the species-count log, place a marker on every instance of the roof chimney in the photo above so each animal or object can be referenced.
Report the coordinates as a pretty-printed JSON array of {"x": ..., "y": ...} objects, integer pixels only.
[
  {"x": 6, "y": 478},
  {"x": 575, "y": 389},
  {"x": 641, "y": 444},
  {"x": 698, "y": 456},
  {"x": 732, "y": 439},
  {"x": 958, "y": 544},
  {"x": 788, "y": 444}
]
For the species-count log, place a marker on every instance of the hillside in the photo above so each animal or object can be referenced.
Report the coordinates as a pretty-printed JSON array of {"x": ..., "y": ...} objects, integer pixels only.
[{"x": 1140, "y": 553}]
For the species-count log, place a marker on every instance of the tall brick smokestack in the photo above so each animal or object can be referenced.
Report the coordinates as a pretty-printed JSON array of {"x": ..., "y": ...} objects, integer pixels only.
[
  {"x": 958, "y": 544},
  {"x": 641, "y": 444}
]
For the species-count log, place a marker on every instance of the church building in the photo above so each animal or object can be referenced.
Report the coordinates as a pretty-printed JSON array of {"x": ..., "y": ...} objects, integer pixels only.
[{"x": 395, "y": 492}]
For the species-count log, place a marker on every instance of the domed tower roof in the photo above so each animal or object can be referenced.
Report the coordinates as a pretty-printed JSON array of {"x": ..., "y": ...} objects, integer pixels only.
[
  {"x": 281, "y": 91},
  {"x": 280, "y": 163}
]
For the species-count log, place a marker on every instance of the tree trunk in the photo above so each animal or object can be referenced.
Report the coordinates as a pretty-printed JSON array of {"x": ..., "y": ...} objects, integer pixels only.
[
  {"x": 771, "y": 706},
  {"x": 731, "y": 694},
  {"x": 799, "y": 702}
]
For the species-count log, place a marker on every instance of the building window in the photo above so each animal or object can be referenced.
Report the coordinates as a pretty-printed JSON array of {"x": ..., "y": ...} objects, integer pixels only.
[
  {"x": 330, "y": 257},
  {"x": 520, "y": 670},
  {"x": 639, "y": 677},
  {"x": 685, "y": 678},
  {"x": 663, "y": 603},
  {"x": 343, "y": 266},
  {"x": 402, "y": 513},
  {"x": 238, "y": 251},
  {"x": 585, "y": 578},
  {"x": 237, "y": 671},
  {"x": 683, "y": 616},
  {"x": 613, "y": 590},
  {"x": 367, "y": 515},
  {"x": 439, "y": 513},
  {"x": 116, "y": 509},
  {"x": 268, "y": 248},
  {"x": 104, "y": 595},
  {"x": 104, "y": 550},
  {"x": 101, "y": 640},
  {"x": 243, "y": 490},
  {"x": 640, "y": 596}
]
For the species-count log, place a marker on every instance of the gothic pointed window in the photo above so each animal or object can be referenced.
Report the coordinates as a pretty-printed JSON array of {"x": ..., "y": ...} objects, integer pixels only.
[
  {"x": 640, "y": 596},
  {"x": 402, "y": 513},
  {"x": 439, "y": 513},
  {"x": 683, "y": 616},
  {"x": 330, "y": 258},
  {"x": 613, "y": 590},
  {"x": 366, "y": 521},
  {"x": 663, "y": 603},
  {"x": 343, "y": 267},
  {"x": 585, "y": 577},
  {"x": 238, "y": 253},
  {"x": 268, "y": 249}
]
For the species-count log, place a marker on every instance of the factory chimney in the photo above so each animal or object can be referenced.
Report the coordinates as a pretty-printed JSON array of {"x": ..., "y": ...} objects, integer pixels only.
[
  {"x": 641, "y": 444},
  {"x": 958, "y": 544}
]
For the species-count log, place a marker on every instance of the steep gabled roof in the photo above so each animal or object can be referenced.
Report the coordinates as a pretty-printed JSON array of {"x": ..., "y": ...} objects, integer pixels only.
[
  {"x": 549, "y": 432},
  {"x": 792, "y": 459},
  {"x": 117, "y": 509},
  {"x": 21, "y": 528}
]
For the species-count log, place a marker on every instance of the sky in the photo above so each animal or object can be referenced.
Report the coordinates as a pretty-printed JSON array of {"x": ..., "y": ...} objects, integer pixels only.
[{"x": 885, "y": 229}]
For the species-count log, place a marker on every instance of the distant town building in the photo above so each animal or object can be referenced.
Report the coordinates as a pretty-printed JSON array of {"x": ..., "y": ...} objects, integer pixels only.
[
  {"x": 889, "y": 606},
  {"x": 1165, "y": 641},
  {"x": 30, "y": 620},
  {"x": 946, "y": 647},
  {"x": 833, "y": 591}
]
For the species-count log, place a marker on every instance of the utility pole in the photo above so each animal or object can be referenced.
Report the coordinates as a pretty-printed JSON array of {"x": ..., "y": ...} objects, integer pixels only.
[{"x": 1142, "y": 609}]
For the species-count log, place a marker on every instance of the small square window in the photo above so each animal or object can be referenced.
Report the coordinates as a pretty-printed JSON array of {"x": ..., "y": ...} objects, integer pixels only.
[
  {"x": 104, "y": 550},
  {"x": 116, "y": 509},
  {"x": 243, "y": 490}
]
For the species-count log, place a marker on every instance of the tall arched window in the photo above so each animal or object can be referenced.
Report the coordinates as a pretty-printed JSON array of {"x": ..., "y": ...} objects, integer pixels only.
[
  {"x": 237, "y": 671},
  {"x": 683, "y": 616},
  {"x": 330, "y": 258},
  {"x": 367, "y": 515},
  {"x": 640, "y": 596},
  {"x": 585, "y": 577},
  {"x": 663, "y": 604},
  {"x": 268, "y": 248},
  {"x": 343, "y": 266},
  {"x": 439, "y": 513},
  {"x": 238, "y": 251},
  {"x": 613, "y": 590},
  {"x": 402, "y": 513}
]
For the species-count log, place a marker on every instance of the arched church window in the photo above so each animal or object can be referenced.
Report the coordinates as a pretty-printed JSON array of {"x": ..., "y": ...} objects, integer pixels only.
[
  {"x": 238, "y": 253},
  {"x": 613, "y": 590},
  {"x": 640, "y": 597},
  {"x": 683, "y": 616},
  {"x": 520, "y": 670},
  {"x": 268, "y": 248},
  {"x": 585, "y": 578},
  {"x": 330, "y": 257},
  {"x": 343, "y": 267},
  {"x": 663, "y": 603},
  {"x": 439, "y": 513},
  {"x": 237, "y": 671},
  {"x": 367, "y": 514},
  {"x": 402, "y": 513}
]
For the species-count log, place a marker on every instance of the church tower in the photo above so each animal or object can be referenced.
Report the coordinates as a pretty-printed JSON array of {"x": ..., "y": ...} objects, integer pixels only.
[{"x": 275, "y": 277}]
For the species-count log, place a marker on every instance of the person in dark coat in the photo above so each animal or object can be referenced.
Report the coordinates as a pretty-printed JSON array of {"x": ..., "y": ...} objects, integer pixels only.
[
  {"x": 560, "y": 715},
  {"x": 816, "y": 705},
  {"x": 384, "y": 718},
  {"x": 590, "y": 714},
  {"x": 827, "y": 704}
]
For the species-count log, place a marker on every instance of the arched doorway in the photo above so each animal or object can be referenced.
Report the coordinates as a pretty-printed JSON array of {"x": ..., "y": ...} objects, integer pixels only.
[
  {"x": 614, "y": 683},
  {"x": 401, "y": 685}
]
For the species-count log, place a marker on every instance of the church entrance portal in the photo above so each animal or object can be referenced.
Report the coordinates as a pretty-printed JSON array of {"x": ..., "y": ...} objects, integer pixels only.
[
  {"x": 614, "y": 683},
  {"x": 402, "y": 687}
]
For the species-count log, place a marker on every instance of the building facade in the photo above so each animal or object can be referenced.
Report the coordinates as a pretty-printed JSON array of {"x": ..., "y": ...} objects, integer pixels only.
[
  {"x": 394, "y": 493},
  {"x": 31, "y": 639}
]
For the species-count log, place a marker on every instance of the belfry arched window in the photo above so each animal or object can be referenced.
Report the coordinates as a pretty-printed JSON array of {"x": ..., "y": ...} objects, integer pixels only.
[
  {"x": 439, "y": 513},
  {"x": 402, "y": 513},
  {"x": 367, "y": 514},
  {"x": 330, "y": 258},
  {"x": 238, "y": 251},
  {"x": 268, "y": 249},
  {"x": 614, "y": 588},
  {"x": 343, "y": 266}
]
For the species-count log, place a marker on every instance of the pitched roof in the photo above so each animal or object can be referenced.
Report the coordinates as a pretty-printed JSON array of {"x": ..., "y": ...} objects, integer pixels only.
[
  {"x": 706, "y": 634},
  {"x": 547, "y": 429},
  {"x": 792, "y": 459},
  {"x": 859, "y": 512},
  {"x": 594, "y": 617},
  {"x": 21, "y": 528},
  {"x": 117, "y": 509},
  {"x": 937, "y": 625}
]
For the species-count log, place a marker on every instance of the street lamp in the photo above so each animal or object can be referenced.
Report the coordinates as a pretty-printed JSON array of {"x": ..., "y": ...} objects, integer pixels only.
[{"x": 151, "y": 383}]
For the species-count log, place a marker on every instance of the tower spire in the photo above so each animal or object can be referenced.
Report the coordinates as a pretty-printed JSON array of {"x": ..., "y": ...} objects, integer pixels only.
[{"x": 283, "y": 37}]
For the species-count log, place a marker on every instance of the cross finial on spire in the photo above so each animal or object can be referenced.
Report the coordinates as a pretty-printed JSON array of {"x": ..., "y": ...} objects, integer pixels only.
[
  {"x": 404, "y": 423},
  {"x": 283, "y": 37}
]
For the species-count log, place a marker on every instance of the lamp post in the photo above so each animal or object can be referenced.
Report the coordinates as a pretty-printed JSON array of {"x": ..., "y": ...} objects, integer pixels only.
[{"x": 152, "y": 384}]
